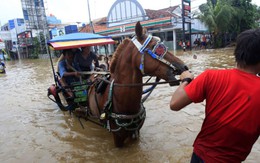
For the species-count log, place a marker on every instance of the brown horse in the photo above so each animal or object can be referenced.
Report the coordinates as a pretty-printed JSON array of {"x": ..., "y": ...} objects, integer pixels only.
[{"x": 119, "y": 106}]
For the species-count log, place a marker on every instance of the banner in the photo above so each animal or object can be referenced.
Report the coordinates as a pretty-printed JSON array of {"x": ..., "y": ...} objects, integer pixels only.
[{"x": 5, "y": 35}]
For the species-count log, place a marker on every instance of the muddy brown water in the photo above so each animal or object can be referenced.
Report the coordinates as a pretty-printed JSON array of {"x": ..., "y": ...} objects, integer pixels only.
[{"x": 33, "y": 129}]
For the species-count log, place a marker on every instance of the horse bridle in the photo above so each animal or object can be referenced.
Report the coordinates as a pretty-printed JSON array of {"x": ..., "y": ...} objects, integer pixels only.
[{"x": 157, "y": 52}]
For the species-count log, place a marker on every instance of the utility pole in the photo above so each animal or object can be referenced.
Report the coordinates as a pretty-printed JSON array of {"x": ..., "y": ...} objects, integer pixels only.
[
  {"x": 186, "y": 18},
  {"x": 90, "y": 22},
  {"x": 91, "y": 25},
  {"x": 183, "y": 21},
  {"x": 17, "y": 44}
]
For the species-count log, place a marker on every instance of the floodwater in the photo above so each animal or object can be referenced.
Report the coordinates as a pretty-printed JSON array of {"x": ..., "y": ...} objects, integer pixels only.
[{"x": 33, "y": 129}]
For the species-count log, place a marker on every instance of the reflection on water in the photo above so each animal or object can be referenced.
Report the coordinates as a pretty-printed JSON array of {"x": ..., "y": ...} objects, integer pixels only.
[{"x": 33, "y": 129}]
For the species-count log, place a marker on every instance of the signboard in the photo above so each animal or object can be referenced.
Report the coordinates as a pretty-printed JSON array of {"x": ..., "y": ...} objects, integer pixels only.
[
  {"x": 174, "y": 21},
  {"x": 5, "y": 35},
  {"x": 186, "y": 18},
  {"x": 57, "y": 32},
  {"x": 25, "y": 39},
  {"x": 122, "y": 28},
  {"x": 186, "y": 11},
  {"x": 2, "y": 45},
  {"x": 13, "y": 35},
  {"x": 186, "y": 7}
]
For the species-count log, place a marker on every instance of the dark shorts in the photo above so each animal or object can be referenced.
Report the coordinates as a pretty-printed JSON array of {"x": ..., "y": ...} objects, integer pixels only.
[{"x": 196, "y": 159}]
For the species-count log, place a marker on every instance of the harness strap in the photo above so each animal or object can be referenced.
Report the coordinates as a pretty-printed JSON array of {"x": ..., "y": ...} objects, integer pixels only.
[
  {"x": 108, "y": 106},
  {"x": 123, "y": 116},
  {"x": 139, "y": 46},
  {"x": 141, "y": 49},
  {"x": 159, "y": 58},
  {"x": 175, "y": 82},
  {"x": 134, "y": 123},
  {"x": 110, "y": 95},
  {"x": 142, "y": 63}
]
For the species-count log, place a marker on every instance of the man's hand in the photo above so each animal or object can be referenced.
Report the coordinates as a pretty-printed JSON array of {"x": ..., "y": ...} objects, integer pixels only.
[
  {"x": 186, "y": 74},
  {"x": 77, "y": 74}
]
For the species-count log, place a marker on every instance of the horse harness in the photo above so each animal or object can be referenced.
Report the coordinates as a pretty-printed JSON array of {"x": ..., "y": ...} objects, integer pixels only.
[
  {"x": 158, "y": 51},
  {"x": 122, "y": 121},
  {"x": 127, "y": 122}
]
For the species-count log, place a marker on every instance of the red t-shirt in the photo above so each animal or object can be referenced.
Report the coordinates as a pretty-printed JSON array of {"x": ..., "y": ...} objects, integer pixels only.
[{"x": 232, "y": 121}]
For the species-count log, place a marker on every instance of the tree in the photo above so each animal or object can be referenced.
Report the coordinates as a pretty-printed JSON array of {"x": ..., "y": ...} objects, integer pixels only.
[
  {"x": 217, "y": 16},
  {"x": 246, "y": 14},
  {"x": 229, "y": 18}
]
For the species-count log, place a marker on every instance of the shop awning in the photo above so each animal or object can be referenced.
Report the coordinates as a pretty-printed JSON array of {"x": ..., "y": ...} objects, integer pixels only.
[{"x": 77, "y": 40}]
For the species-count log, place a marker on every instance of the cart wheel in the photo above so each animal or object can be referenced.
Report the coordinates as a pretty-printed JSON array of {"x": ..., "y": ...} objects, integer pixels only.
[
  {"x": 59, "y": 103},
  {"x": 65, "y": 106}
]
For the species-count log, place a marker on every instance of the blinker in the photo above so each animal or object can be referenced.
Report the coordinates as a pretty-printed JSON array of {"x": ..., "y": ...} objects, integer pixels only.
[{"x": 160, "y": 50}]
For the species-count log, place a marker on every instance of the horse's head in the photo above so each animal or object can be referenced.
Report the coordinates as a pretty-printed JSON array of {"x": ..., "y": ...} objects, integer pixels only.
[{"x": 155, "y": 59}]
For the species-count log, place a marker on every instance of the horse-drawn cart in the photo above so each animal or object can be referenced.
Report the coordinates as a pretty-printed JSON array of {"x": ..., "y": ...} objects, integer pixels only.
[
  {"x": 59, "y": 92},
  {"x": 114, "y": 99}
]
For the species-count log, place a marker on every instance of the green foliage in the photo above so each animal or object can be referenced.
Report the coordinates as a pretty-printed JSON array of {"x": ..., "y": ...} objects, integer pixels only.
[
  {"x": 257, "y": 13},
  {"x": 56, "y": 53},
  {"x": 246, "y": 14},
  {"x": 218, "y": 41},
  {"x": 36, "y": 47},
  {"x": 224, "y": 17}
]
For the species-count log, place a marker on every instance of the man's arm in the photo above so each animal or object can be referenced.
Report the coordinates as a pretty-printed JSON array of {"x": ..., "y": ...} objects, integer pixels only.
[
  {"x": 180, "y": 98},
  {"x": 61, "y": 68},
  {"x": 63, "y": 72}
]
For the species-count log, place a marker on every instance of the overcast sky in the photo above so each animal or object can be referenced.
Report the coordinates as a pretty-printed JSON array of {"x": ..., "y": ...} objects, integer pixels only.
[{"x": 77, "y": 10}]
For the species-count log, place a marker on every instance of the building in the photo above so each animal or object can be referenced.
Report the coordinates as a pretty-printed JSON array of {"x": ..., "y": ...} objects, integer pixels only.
[
  {"x": 22, "y": 42},
  {"x": 34, "y": 14},
  {"x": 36, "y": 21},
  {"x": 56, "y": 28},
  {"x": 9, "y": 33},
  {"x": 53, "y": 20},
  {"x": 165, "y": 23}
]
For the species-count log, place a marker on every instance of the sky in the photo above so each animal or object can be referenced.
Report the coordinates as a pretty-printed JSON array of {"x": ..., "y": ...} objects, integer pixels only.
[{"x": 69, "y": 11}]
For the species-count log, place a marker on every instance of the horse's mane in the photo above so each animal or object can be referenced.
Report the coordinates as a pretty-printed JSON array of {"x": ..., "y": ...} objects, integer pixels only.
[{"x": 117, "y": 53}]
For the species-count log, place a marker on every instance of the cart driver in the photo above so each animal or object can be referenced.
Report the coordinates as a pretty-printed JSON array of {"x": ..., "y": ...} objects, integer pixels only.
[
  {"x": 86, "y": 58},
  {"x": 67, "y": 69}
]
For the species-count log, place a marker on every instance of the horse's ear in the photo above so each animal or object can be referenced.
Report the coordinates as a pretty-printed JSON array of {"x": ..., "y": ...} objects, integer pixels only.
[{"x": 138, "y": 30}]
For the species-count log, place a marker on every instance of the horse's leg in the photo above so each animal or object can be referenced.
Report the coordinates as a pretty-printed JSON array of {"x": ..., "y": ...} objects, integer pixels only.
[
  {"x": 119, "y": 139},
  {"x": 135, "y": 135}
]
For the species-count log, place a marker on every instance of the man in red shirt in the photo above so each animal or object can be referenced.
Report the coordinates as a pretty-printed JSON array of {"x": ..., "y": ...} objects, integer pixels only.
[{"x": 232, "y": 122}]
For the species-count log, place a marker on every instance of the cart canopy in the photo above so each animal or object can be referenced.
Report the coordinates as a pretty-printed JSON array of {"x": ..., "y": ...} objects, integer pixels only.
[{"x": 77, "y": 40}]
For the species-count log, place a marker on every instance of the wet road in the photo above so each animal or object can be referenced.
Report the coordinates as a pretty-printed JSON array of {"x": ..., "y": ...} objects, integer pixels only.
[{"x": 33, "y": 129}]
